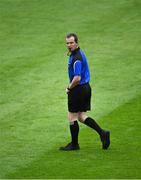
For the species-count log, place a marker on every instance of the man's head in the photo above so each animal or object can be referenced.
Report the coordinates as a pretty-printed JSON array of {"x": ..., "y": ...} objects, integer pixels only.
[{"x": 71, "y": 42}]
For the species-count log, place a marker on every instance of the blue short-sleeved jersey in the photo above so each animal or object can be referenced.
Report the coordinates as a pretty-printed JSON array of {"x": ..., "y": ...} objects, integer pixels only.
[{"x": 78, "y": 65}]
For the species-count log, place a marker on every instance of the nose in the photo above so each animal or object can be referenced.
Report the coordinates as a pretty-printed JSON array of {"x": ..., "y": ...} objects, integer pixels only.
[{"x": 68, "y": 44}]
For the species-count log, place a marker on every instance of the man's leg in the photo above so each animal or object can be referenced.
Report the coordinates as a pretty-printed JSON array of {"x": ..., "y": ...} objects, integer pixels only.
[
  {"x": 74, "y": 130},
  {"x": 74, "y": 127},
  {"x": 104, "y": 135},
  {"x": 90, "y": 122}
]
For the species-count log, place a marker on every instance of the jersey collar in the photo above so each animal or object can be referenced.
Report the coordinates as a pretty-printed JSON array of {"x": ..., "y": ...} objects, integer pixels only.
[{"x": 75, "y": 51}]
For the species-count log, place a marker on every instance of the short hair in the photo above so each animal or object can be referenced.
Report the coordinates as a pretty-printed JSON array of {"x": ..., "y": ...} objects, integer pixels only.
[{"x": 72, "y": 35}]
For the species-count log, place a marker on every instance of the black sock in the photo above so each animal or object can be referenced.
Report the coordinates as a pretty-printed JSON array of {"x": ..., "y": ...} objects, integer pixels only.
[
  {"x": 74, "y": 129},
  {"x": 92, "y": 123}
]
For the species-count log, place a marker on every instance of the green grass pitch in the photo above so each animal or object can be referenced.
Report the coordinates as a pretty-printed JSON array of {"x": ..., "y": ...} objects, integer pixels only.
[{"x": 33, "y": 78}]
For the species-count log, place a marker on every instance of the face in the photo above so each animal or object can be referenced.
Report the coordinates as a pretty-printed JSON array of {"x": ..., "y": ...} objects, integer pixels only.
[{"x": 71, "y": 44}]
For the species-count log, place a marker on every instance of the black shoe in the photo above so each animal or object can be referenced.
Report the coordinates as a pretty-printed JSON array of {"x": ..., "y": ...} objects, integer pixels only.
[
  {"x": 70, "y": 147},
  {"x": 105, "y": 139}
]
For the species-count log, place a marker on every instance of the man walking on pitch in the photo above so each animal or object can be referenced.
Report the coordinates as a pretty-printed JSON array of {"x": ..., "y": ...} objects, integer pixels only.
[{"x": 79, "y": 95}]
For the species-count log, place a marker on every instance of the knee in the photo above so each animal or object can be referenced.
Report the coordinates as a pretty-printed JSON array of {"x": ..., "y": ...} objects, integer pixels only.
[
  {"x": 72, "y": 117},
  {"x": 80, "y": 118}
]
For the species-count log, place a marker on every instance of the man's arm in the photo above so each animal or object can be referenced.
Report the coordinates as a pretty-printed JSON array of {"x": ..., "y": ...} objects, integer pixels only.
[
  {"x": 73, "y": 83},
  {"x": 77, "y": 75}
]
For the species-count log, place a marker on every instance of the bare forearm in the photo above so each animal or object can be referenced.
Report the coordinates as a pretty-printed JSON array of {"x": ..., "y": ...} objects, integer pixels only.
[{"x": 74, "y": 82}]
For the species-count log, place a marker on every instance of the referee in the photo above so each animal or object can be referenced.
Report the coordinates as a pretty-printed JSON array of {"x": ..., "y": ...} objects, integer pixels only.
[{"x": 79, "y": 95}]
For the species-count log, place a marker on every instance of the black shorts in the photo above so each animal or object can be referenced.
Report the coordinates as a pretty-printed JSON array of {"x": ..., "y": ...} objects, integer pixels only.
[{"x": 79, "y": 98}]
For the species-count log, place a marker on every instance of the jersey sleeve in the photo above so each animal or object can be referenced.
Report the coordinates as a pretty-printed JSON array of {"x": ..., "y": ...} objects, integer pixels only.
[{"x": 77, "y": 68}]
